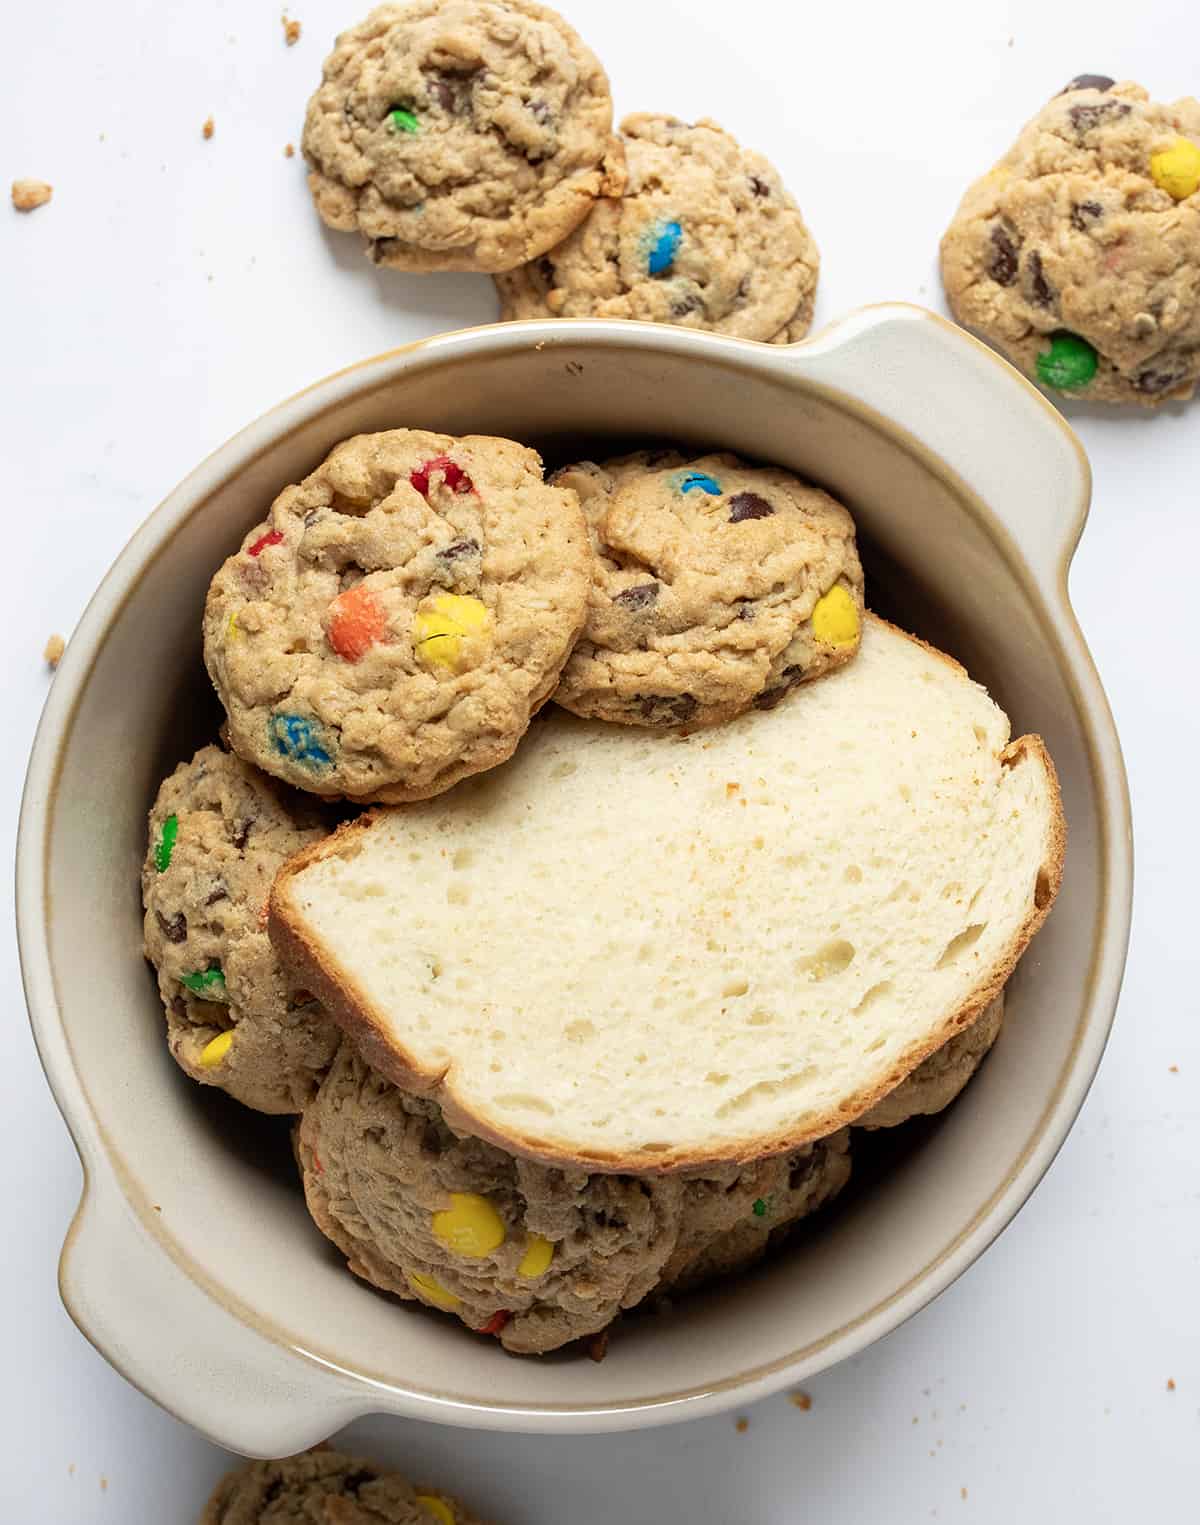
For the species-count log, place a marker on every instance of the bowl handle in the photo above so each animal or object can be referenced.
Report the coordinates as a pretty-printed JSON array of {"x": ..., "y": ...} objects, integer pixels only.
[
  {"x": 966, "y": 405},
  {"x": 204, "y": 1362}
]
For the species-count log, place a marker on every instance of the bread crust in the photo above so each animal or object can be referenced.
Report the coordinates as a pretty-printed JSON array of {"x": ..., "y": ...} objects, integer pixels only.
[{"x": 344, "y": 999}]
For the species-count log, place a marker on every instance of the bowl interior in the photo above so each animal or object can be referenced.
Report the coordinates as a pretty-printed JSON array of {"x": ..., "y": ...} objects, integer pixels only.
[{"x": 223, "y": 1178}]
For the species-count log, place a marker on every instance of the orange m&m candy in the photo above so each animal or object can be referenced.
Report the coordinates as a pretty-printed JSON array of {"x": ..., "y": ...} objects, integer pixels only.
[{"x": 356, "y": 621}]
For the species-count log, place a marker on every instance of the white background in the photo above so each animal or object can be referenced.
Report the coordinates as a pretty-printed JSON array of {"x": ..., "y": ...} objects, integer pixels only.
[{"x": 175, "y": 288}]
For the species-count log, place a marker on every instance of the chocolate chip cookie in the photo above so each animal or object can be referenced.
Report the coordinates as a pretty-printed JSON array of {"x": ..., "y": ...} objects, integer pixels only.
[
  {"x": 325, "y": 1487},
  {"x": 531, "y": 1255},
  {"x": 716, "y": 585},
  {"x": 460, "y": 134},
  {"x": 705, "y": 236},
  {"x": 399, "y": 616},
  {"x": 1078, "y": 254},
  {"x": 219, "y": 832}
]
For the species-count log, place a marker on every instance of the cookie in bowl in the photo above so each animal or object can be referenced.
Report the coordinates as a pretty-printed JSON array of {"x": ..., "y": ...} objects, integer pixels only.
[
  {"x": 533, "y": 1255},
  {"x": 706, "y": 235},
  {"x": 460, "y": 134},
  {"x": 717, "y": 585},
  {"x": 1078, "y": 254},
  {"x": 400, "y": 615},
  {"x": 219, "y": 832}
]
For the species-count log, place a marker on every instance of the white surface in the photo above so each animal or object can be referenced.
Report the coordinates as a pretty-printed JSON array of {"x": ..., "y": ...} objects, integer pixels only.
[{"x": 174, "y": 288}]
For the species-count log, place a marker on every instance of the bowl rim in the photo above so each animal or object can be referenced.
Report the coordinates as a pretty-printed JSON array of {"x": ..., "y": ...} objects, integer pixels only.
[{"x": 104, "y": 1168}]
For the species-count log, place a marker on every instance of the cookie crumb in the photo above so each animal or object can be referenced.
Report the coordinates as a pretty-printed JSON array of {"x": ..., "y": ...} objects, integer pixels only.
[
  {"x": 27, "y": 195},
  {"x": 598, "y": 1346},
  {"x": 801, "y": 1401},
  {"x": 55, "y": 647},
  {"x": 1170, "y": 1384},
  {"x": 291, "y": 30},
  {"x": 962, "y": 1493},
  {"x": 103, "y": 1483},
  {"x": 71, "y": 1470},
  {"x": 742, "y": 1426},
  {"x": 1174, "y": 1069},
  {"x": 916, "y": 1419},
  {"x": 289, "y": 150},
  {"x": 208, "y": 129}
]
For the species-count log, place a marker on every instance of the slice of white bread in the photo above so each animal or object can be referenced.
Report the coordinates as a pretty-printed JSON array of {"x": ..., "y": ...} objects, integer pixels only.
[{"x": 645, "y": 953}]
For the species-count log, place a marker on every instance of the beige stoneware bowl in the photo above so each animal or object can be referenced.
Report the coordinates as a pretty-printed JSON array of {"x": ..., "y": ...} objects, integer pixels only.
[{"x": 191, "y": 1264}]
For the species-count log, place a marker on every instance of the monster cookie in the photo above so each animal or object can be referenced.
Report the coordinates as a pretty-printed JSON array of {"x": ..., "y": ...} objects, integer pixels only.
[
  {"x": 1078, "y": 255},
  {"x": 219, "y": 830},
  {"x": 460, "y": 134},
  {"x": 716, "y": 586},
  {"x": 399, "y": 616},
  {"x": 533, "y": 1255},
  {"x": 323, "y": 1487},
  {"x": 936, "y": 1081},
  {"x": 705, "y": 236}
]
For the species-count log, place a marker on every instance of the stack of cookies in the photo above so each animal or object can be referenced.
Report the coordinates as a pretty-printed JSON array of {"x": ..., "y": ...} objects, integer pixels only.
[
  {"x": 705, "y": 861},
  {"x": 477, "y": 135}
]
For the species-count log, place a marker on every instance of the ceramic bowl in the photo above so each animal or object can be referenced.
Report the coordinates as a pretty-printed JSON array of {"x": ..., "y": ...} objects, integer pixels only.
[{"x": 191, "y": 1264}]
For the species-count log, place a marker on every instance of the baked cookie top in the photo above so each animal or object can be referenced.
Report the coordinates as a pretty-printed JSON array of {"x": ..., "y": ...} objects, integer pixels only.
[
  {"x": 1078, "y": 254},
  {"x": 460, "y": 134},
  {"x": 715, "y": 585},
  {"x": 400, "y": 615},
  {"x": 705, "y": 236},
  {"x": 325, "y": 1487},
  {"x": 530, "y": 1254},
  {"x": 219, "y": 832}
]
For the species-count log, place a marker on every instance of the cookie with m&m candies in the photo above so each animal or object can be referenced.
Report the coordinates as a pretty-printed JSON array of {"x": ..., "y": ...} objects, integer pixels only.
[
  {"x": 717, "y": 585},
  {"x": 400, "y": 615},
  {"x": 705, "y": 236}
]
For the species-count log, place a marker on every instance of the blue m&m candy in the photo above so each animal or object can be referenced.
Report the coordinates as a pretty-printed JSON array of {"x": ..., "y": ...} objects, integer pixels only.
[
  {"x": 662, "y": 245},
  {"x": 299, "y": 740},
  {"x": 695, "y": 481}
]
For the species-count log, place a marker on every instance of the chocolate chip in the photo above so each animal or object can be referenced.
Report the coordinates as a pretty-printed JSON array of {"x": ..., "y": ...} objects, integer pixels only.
[
  {"x": 546, "y": 270},
  {"x": 1041, "y": 289},
  {"x": 748, "y": 505},
  {"x": 1085, "y": 118},
  {"x": 175, "y": 930},
  {"x": 179, "y": 1006},
  {"x": 1088, "y": 82},
  {"x": 667, "y": 708},
  {"x": 353, "y": 1481},
  {"x": 759, "y": 187},
  {"x": 458, "y": 549},
  {"x": 638, "y": 598},
  {"x": 443, "y": 94},
  {"x": 1166, "y": 372},
  {"x": 688, "y": 302},
  {"x": 770, "y": 697},
  {"x": 1003, "y": 256},
  {"x": 220, "y": 893},
  {"x": 241, "y": 834},
  {"x": 1085, "y": 213}
]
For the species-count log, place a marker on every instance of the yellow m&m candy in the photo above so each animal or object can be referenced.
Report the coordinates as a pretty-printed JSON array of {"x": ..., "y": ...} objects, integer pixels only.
[
  {"x": 213, "y": 1052},
  {"x": 470, "y": 1225},
  {"x": 835, "y": 618},
  {"x": 432, "y": 1291},
  {"x": 536, "y": 1260},
  {"x": 438, "y": 1508},
  {"x": 451, "y": 632},
  {"x": 1177, "y": 169}
]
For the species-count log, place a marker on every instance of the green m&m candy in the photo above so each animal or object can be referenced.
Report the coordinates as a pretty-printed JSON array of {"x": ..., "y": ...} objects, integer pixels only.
[
  {"x": 208, "y": 984},
  {"x": 401, "y": 119},
  {"x": 1070, "y": 362},
  {"x": 165, "y": 845}
]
